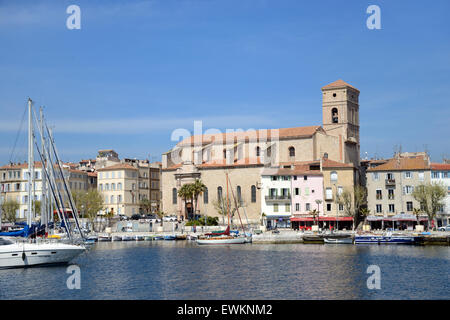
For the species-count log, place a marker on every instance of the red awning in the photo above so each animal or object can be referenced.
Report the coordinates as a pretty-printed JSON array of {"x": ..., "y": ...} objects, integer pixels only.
[{"x": 302, "y": 219}]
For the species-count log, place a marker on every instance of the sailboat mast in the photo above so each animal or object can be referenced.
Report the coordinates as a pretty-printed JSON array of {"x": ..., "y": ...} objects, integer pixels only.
[
  {"x": 44, "y": 212},
  {"x": 30, "y": 163},
  {"x": 228, "y": 203}
]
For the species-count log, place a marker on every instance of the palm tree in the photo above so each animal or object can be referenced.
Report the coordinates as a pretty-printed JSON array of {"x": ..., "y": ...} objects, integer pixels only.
[
  {"x": 197, "y": 189},
  {"x": 186, "y": 193}
]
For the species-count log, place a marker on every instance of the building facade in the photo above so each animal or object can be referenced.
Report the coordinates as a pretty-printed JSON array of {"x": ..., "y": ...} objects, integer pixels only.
[
  {"x": 440, "y": 173},
  {"x": 245, "y": 155}
]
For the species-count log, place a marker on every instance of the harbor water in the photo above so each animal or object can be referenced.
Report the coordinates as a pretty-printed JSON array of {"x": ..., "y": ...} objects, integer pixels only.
[{"x": 184, "y": 270}]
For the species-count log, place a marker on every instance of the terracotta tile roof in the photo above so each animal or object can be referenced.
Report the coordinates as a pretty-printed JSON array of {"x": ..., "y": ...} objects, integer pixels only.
[
  {"x": 283, "y": 133},
  {"x": 327, "y": 163},
  {"x": 440, "y": 166},
  {"x": 339, "y": 84},
  {"x": 37, "y": 164},
  {"x": 117, "y": 167},
  {"x": 399, "y": 164}
]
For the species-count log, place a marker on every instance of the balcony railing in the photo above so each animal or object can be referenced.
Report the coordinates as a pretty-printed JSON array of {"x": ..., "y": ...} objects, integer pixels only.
[
  {"x": 390, "y": 182},
  {"x": 270, "y": 198}
]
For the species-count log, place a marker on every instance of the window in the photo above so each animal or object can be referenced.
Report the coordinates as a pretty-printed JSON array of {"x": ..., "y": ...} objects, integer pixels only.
[
  {"x": 297, "y": 207},
  {"x": 119, "y": 199},
  {"x": 112, "y": 175},
  {"x": 291, "y": 152},
  {"x": 378, "y": 208},
  {"x": 408, "y": 189},
  {"x": 307, "y": 191},
  {"x": 334, "y": 115},
  {"x": 408, "y": 174},
  {"x": 205, "y": 196},
  {"x": 253, "y": 191},
  {"x": 390, "y": 176},
  {"x": 101, "y": 187},
  {"x": 224, "y": 153},
  {"x": 340, "y": 190},
  {"x": 333, "y": 176},
  {"x": 341, "y": 207},
  {"x": 409, "y": 206},
  {"x": 378, "y": 194},
  {"x": 435, "y": 174},
  {"x": 391, "y": 208},
  {"x": 297, "y": 191},
  {"x": 444, "y": 174},
  {"x": 112, "y": 199},
  {"x": 274, "y": 178},
  {"x": 305, "y": 178},
  {"x": 238, "y": 194},
  {"x": 113, "y": 186},
  {"x": 391, "y": 194},
  {"x": 375, "y": 176},
  {"x": 275, "y": 207},
  {"x": 219, "y": 193},
  {"x": 174, "y": 196},
  {"x": 307, "y": 206},
  {"x": 421, "y": 176},
  {"x": 295, "y": 177},
  {"x": 328, "y": 206},
  {"x": 258, "y": 151},
  {"x": 133, "y": 186},
  {"x": 119, "y": 186},
  {"x": 329, "y": 194}
]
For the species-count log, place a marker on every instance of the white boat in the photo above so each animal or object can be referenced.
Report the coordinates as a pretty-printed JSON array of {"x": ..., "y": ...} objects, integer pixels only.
[
  {"x": 221, "y": 240},
  {"x": 332, "y": 240},
  {"x": 128, "y": 238},
  {"x": 139, "y": 238},
  {"x": 116, "y": 238},
  {"x": 18, "y": 255},
  {"x": 103, "y": 238}
]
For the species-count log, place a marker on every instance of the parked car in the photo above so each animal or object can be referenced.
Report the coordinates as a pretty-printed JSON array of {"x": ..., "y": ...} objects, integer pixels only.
[
  {"x": 123, "y": 217},
  {"x": 444, "y": 228},
  {"x": 170, "y": 219}
]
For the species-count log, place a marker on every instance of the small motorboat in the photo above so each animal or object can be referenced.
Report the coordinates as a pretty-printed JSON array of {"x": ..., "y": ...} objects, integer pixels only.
[
  {"x": 181, "y": 237},
  {"x": 148, "y": 238},
  {"x": 104, "y": 238},
  {"x": 221, "y": 240},
  {"x": 116, "y": 238},
  {"x": 139, "y": 238},
  {"x": 338, "y": 238},
  {"x": 158, "y": 238},
  {"x": 127, "y": 238},
  {"x": 313, "y": 239},
  {"x": 170, "y": 237}
]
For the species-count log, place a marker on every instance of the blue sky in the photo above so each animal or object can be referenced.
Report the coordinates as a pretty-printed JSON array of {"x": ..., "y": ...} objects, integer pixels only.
[{"x": 137, "y": 70}]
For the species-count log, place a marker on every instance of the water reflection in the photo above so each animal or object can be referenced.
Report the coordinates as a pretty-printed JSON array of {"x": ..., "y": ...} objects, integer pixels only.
[{"x": 183, "y": 270}]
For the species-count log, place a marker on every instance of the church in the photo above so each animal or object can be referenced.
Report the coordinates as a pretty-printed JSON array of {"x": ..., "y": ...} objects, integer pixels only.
[{"x": 246, "y": 156}]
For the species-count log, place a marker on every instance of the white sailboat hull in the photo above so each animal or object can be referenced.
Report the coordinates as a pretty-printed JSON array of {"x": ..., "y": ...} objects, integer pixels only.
[
  {"x": 215, "y": 241},
  {"x": 19, "y": 255}
]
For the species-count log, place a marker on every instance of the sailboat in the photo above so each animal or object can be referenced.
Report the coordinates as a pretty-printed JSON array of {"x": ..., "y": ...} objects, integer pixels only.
[
  {"x": 24, "y": 253},
  {"x": 223, "y": 237}
]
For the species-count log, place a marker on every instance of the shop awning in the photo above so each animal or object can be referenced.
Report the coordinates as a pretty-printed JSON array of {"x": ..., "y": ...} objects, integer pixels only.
[
  {"x": 399, "y": 217},
  {"x": 302, "y": 219}
]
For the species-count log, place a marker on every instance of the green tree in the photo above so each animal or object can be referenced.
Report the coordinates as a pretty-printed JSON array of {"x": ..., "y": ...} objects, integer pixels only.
[
  {"x": 146, "y": 205},
  {"x": 89, "y": 203},
  {"x": 430, "y": 198},
  {"x": 197, "y": 189},
  {"x": 9, "y": 210},
  {"x": 186, "y": 193}
]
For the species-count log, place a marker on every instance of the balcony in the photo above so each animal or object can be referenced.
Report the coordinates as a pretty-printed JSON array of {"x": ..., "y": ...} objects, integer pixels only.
[
  {"x": 277, "y": 198},
  {"x": 390, "y": 182}
]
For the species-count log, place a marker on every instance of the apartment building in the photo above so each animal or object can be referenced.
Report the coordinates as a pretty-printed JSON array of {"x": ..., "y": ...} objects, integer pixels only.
[
  {"x": 390, "y": 186},
  {"x": 14, "y": 183},
  {"x": 440, "y": 173}
]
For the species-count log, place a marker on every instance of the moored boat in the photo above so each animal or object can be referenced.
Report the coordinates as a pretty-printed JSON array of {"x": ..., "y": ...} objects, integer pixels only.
[
  {"x": 338, "y": 238},
  {"x": 170, "y": 237},
  {"x": 116, "y": 238},
  {"x": 313, "y": 239},
  {"x": 17, "y": 254},
  {"x": 386, "y": 239},
  {"x": 127, "y": 238},
  {"x": 221, "y": 240}
]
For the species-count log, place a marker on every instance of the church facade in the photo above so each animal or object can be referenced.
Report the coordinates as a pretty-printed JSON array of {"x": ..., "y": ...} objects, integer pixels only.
[{"x": 246, "y": 156}]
